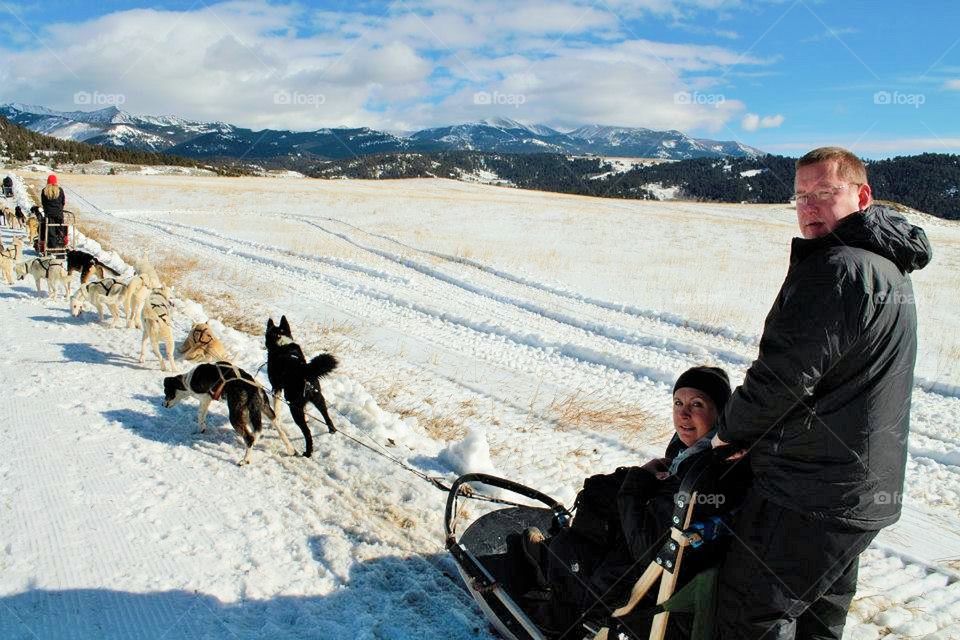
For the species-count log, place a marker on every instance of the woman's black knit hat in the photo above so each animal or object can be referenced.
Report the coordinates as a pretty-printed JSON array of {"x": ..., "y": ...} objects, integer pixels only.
[{"x": 713, "y": 381}]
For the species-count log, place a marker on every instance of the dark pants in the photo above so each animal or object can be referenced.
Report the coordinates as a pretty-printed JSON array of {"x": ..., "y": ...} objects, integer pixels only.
[{"x": 787, "y": 576}]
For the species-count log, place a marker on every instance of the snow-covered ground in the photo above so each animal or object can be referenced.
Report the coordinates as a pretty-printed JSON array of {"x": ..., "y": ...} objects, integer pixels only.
[{"x": 528, "y": 334}]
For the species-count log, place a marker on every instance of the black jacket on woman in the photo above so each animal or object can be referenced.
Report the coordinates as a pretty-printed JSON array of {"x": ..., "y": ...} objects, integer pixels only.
[
  {"x": 621, "y": 522},
  {"x": 53, "y": 200}
]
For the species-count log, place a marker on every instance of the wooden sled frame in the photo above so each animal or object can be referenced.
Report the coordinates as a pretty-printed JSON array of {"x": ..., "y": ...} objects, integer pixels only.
[{"x": 665, "y": 567}]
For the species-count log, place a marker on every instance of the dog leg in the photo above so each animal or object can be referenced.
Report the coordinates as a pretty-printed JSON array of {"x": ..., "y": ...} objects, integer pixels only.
[
  {"x": 143, "y": 343},
  {"x": 155, "y": 343},
  {"x": 202, "y": 413},
  {"x": 168, "y": 340},
  {"x": 276, "y": 408},
  {"x": 114, "y": 313},
  {"x": 296, "y": 410},
  {"x": 286, "y": 441},
  {"x": 317, "y": 398}
]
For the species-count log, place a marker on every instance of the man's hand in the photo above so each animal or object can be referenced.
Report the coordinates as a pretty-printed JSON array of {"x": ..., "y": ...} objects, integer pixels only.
[
  {"x": 716, "y": 443},
  {"x": 656, "y": 465}
]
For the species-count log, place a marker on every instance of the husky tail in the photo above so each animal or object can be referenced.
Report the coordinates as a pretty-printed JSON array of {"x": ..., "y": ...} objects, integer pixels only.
[{"x": 321, "y": 365}]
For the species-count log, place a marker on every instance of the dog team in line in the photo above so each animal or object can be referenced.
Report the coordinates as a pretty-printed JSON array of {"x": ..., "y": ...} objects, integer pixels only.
[{"x": 147, "y": 305}]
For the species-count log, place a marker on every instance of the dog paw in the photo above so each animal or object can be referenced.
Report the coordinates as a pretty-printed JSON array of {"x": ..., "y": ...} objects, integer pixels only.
[{"x": 242, "y": 463}]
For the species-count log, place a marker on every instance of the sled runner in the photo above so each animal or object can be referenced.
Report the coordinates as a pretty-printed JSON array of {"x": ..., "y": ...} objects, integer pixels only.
[{"x": 483, "y": 556}]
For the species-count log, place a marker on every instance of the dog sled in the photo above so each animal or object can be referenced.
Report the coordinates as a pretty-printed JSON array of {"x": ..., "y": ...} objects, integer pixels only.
[
  {"x": 483, "y": 558},
  {"x": 56, "y": 238}
]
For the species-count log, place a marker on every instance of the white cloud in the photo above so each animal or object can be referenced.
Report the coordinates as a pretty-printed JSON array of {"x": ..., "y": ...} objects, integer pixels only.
[
  {"x": 952, "y": 85},
  {"x": 752, "y": 122},
  {"x": 416, "y": 66},
  {"x": 873, "y": 148}
]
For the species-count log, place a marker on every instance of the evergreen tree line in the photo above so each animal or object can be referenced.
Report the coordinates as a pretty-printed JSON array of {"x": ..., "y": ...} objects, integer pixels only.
[
  {"x": 22, "y": 145},
  {"x": 929, "y": 182}
]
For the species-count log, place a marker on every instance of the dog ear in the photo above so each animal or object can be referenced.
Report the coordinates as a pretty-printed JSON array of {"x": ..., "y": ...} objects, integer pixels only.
[
  {"x": 284, "y": 326},
  {"x": 270, "y": 324}
]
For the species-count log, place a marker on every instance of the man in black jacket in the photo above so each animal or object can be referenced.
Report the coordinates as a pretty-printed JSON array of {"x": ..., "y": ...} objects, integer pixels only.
[{"x": 824, "y": 410}]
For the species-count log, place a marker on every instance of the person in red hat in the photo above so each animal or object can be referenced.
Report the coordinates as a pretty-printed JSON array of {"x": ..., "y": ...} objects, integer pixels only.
[{"x": 53, "y": 200}]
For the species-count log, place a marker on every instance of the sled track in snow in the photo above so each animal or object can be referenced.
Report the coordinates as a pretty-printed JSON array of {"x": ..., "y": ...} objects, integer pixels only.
[
  {"x": 571, "y": 351},
  {"x": 626, "y": 309},
  {"x": 601, "y": 331},
  {"x": 608, "y": 331}
]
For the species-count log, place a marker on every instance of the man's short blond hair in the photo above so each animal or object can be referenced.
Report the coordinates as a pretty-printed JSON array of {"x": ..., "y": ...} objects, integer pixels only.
[{"x": 850, "y": 168}]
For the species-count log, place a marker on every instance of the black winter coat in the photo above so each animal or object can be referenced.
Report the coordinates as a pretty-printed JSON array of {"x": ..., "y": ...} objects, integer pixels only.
[
  {"x": 53, "y": 204},
  {"x": 825, "y": 407}
]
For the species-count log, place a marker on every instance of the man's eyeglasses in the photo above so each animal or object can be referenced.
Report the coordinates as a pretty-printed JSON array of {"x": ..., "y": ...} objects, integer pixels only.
[{"x": 821, "y": 195}]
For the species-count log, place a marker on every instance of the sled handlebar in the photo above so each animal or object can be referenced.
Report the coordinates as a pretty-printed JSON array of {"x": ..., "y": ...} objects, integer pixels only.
[{"x": 559, "y": 511}]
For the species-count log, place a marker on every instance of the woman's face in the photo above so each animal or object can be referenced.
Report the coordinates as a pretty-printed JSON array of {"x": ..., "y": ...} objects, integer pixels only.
[{"x": 693, "y": 414}]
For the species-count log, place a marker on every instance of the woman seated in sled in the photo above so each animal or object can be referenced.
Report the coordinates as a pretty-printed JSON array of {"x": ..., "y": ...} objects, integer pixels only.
[{"x": 622, "y": 519}]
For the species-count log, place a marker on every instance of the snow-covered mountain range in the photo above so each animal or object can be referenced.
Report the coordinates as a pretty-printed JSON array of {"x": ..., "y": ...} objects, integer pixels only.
[{"x": 114, "y": 127}]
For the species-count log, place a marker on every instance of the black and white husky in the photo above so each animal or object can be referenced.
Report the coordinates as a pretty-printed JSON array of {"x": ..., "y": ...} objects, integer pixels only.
[
  {"x": 292, "y": 376},
  {"x": 246, "y": 400}
]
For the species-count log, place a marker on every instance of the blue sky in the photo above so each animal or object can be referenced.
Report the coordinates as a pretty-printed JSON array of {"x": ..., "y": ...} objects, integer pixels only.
[{"x": 881, "y": 77}]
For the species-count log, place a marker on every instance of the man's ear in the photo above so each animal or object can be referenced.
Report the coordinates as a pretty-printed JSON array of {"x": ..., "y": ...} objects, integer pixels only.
[{"x": 866, "y": 196}]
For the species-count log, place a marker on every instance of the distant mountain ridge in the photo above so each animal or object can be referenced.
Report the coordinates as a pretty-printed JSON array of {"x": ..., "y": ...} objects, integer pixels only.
[{"x": 114, "y": 127}]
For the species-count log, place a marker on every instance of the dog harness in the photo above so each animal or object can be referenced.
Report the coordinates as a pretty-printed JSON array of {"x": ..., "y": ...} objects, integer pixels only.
[
  {"x": 164, "y": 315},
  {"x": 217, "y": 391},
  {"x": 106, "y": 289},
  {"x": 47, "y": 264},
  {"x": 198, "y": 336}
]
